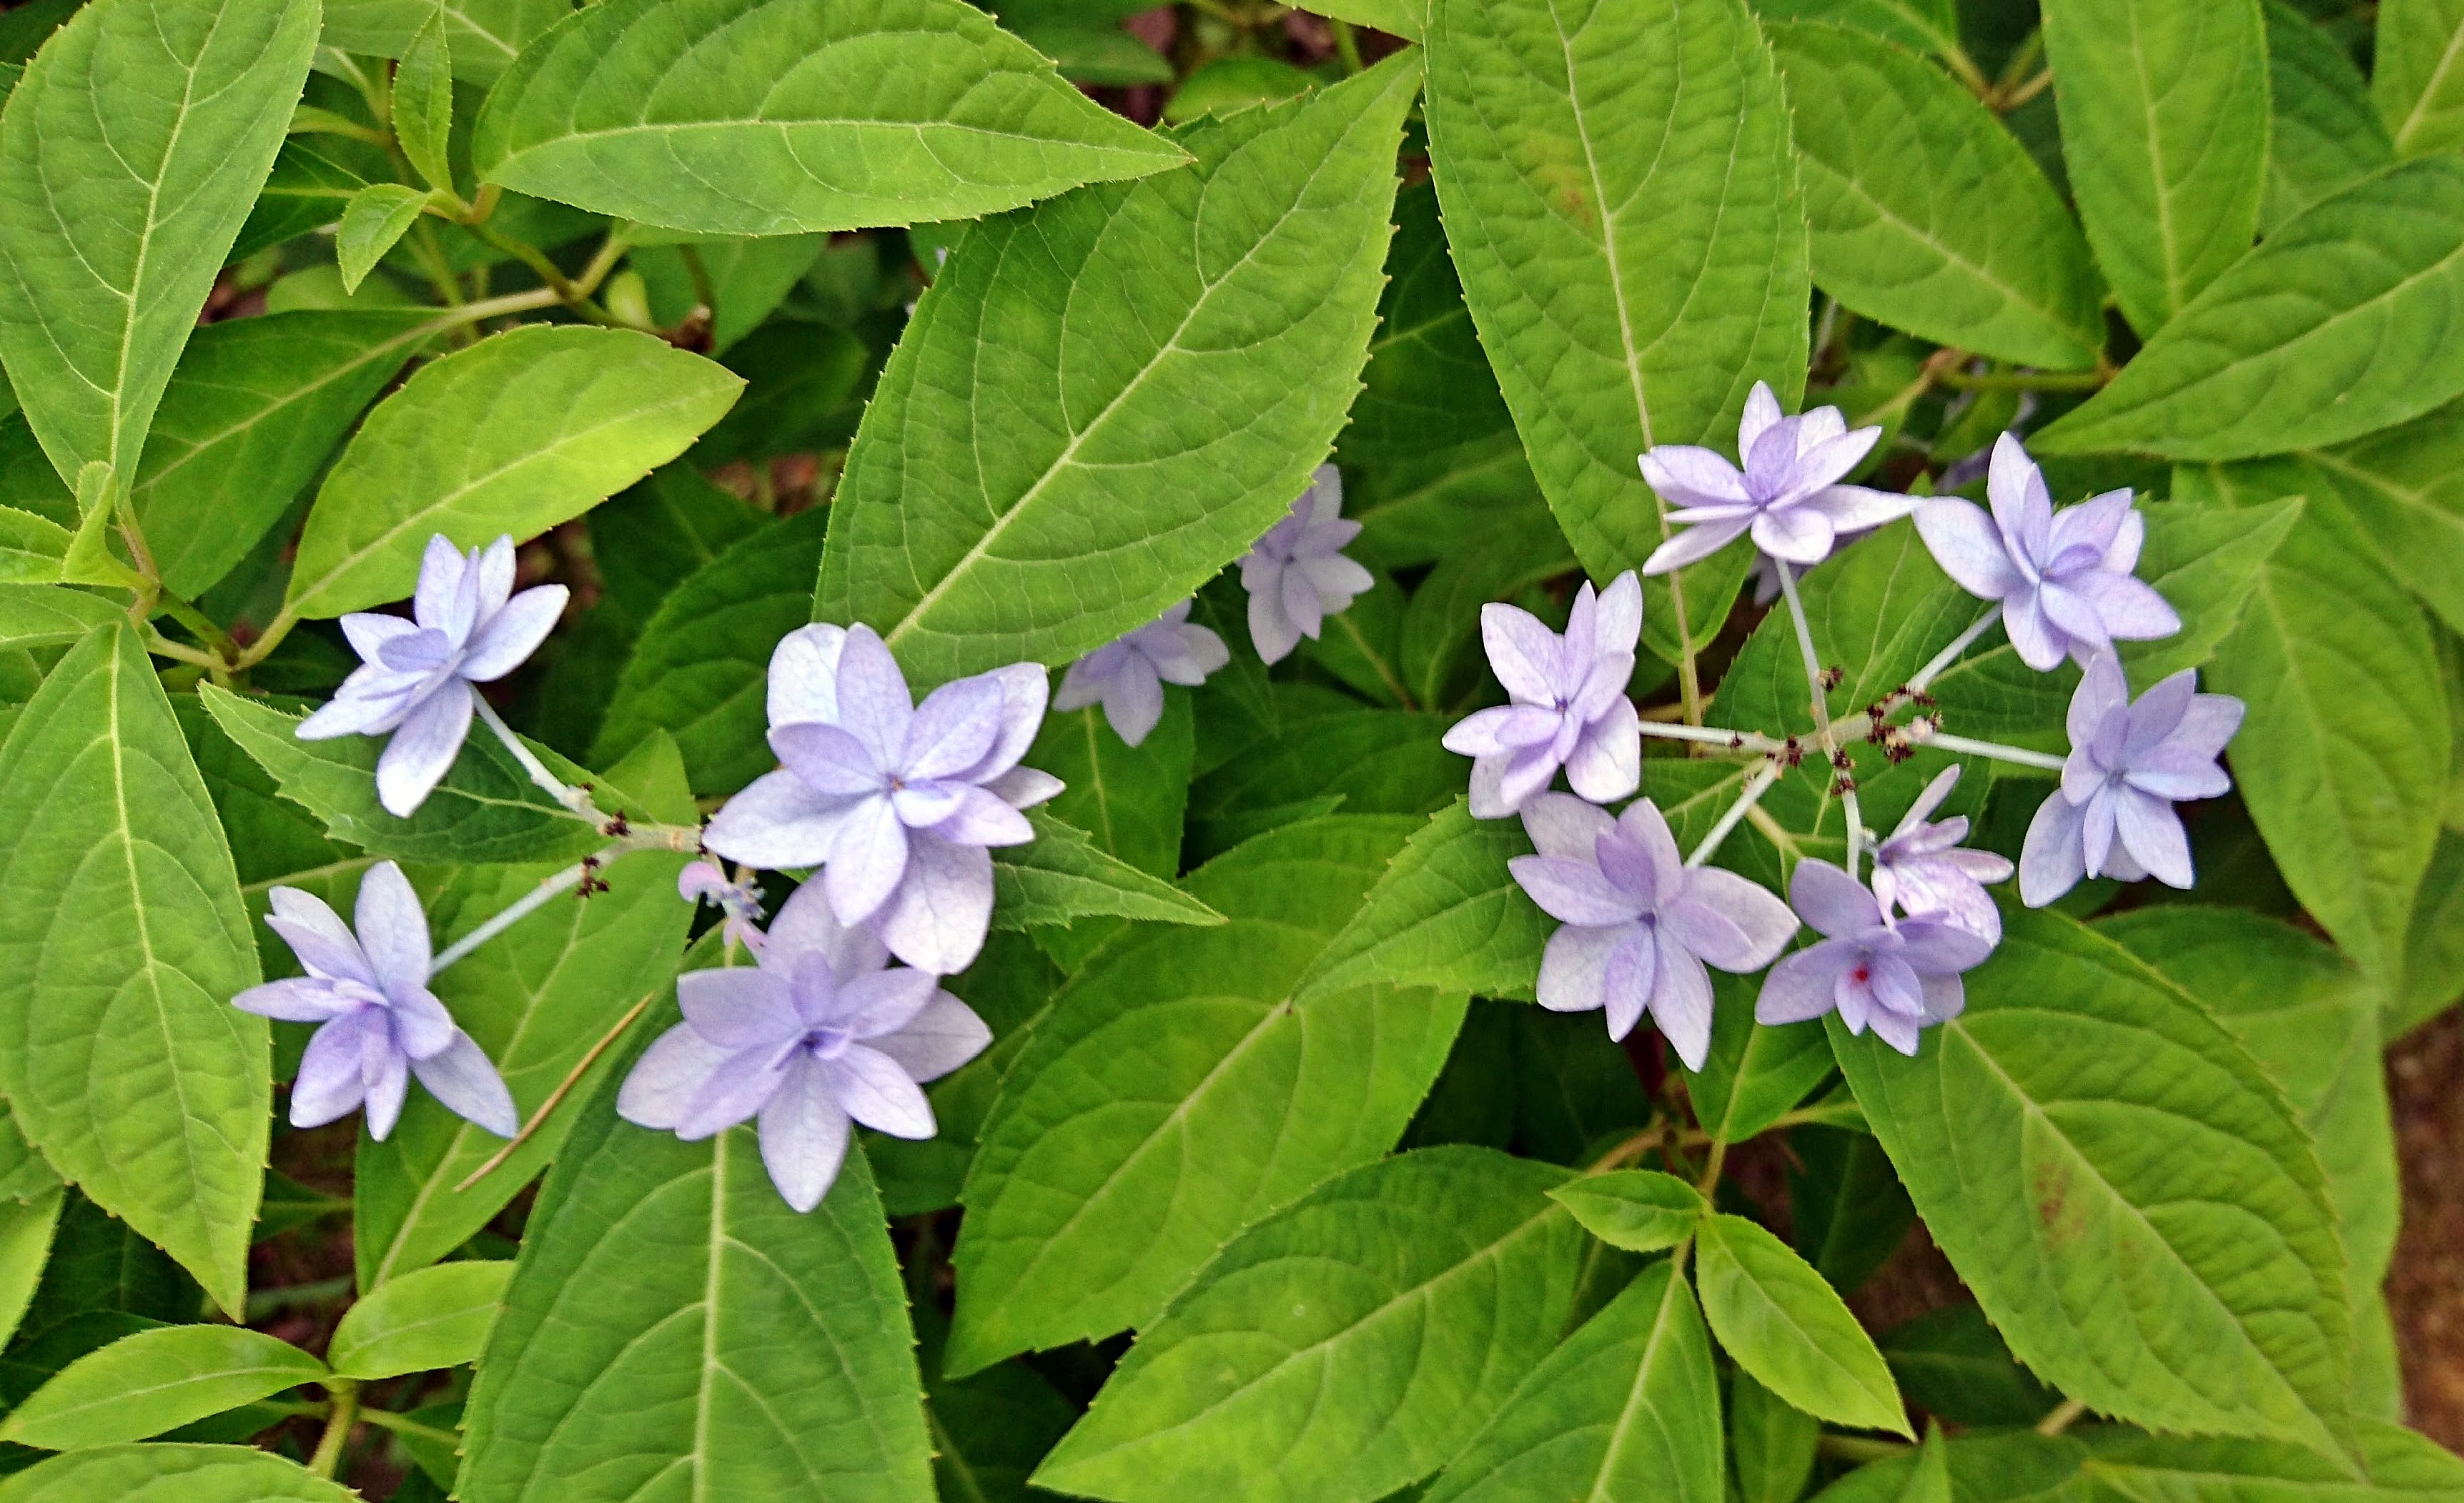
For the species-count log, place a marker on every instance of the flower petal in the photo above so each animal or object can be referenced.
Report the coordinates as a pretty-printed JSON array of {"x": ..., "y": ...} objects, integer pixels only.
[
  {"x": 805, "y": 924},
  {"x": 1626, "y": 981},
  {"x": 868, "y": 858},
  {"x": 1795, "y": 535},
  {"x": 666, "y": 1077},
  {"x": 951, "y": 730},
  {"x": 1965, "y": 541},
  {"x": 1835, "y": 903},
  {"x": 743, "y": 1082},
  {"x": 1728, "y": 921},
  {"x": 1606, "y": 764},
  {"x": 1134, "y": 699},
  {"x": 982, "y": 818},
  {"x": 804, "y": 1136},
  {"x": 944, "y": 1035},
  {"x": 1681, "y": 1000},
  {"x": 2099, "y": 710},
  {"x": 2039, "y": 643},
  {"x": 1859, "y": 508},
  {"x": 441, "y": 567},
  {"x": 1573, "y": 966},
  {"x": 423, "y": 748},
  {"x": 2152, "y": 832},
  {"x": 460, "y": 1076},
  {"x": 297, "y": 999},
  {"x": 2053, "y": 857},
  {"x": 392, "y": 928},
  {"x": 384, "y": 1075},
  {"x": 777, "y": 823},
  {"x": 739, "y": 1007},
  {"x": 328, "y": 1085},
  {"x": 1024, "y": 787},
  {"x": 1526, "y": 656},
  {"x": 1802, "y": 985},
  {"x": 324, "y": 945},
  {"x": 1697, "y": 542},
  {"x": 937, "y": 919},
  {"x": 1271, "y": 631},
  {"x": 1563, "y": 826},
  {"x": 874, "y": 705},
  {"x": 805, "y": 675},
  {"x": 505, "y": 641},
  {"x": 1684, "y": 474},
  {"x": 1574, "y": 892},
  {"x": 874, "y": 1091}
]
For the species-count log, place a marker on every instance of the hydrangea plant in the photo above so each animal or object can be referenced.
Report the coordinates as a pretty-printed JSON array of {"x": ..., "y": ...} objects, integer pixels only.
[{"x": 990, "y": 686}]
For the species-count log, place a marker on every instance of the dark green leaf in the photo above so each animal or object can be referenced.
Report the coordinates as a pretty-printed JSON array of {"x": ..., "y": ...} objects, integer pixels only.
[
  {"x": 1773, "y": 1441},
  {"x": 1062, "y": 876},
  {"x": 1952, "y": 1364}
]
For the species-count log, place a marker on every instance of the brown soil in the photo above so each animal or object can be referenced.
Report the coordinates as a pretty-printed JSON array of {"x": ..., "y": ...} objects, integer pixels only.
[{"x": 2426, "y": 1289}]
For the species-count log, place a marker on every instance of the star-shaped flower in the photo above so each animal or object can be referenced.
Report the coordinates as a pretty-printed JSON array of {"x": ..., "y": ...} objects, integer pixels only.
[
  {"x": 380, "y": 1022},
  {"x": 814, "y": 1035},
  {"x": 1892, "y": 977},
  {"x": 1569, "y": 707},
  {"x": 2063, "y": 577},
  {"x": 1787, "y": 496},
  {"x": 2129, "y": 764},
  {"x": 1640, "y": 923},
  {"x": 896, "y": 801},
  {"x": 1923, "y": 869},
  {"x": 1296, "y": 576},
  {"x": 1128, "y": 676},
  {"x": 468, "y": 627}
]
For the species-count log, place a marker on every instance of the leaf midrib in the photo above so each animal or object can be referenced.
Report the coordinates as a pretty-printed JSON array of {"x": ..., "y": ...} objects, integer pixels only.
[{"x": 1602, "y": 1490}]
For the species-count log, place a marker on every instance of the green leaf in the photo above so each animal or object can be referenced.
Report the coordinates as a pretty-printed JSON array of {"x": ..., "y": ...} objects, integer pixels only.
[
  {"x": 1952, "y": 1364},
  {"x": 122, "y": 940},
  {"x": 767, "y": 116},
  {"x": 1847, "y": 1210},
  {"x": 1128, "y": 799},
  {"x": 49, "y": 616},
  {"x": 1923, "y": 25},
  {"x": 2127, "y": 1193},
  {"x": 376, "y": 217},
  {"x": 157, "y": 1380},
  {"x": 1755, "y": 1073},
  {"x": 31, "y": 548},
  {"x": 485, "y": 810},
  {"x": 1641, "y": 1210},
  {"x": 484, "y": 35},
  {"x": 519, "y": 432},
  {"x": 250, "y": 416},
  {"x": 1440, "y": 649},
  {"x": 1446, "y": 913},
  {"x": 1162, "y": 424},
  {"x": 1787, "y": 1326},
  {"x": 422, "y": 100},
  {"x": 2164, "y": 111},
  {"x": 700, "y": 671},
  {"x": 1176, "y": 1092},
  {"x": 2205, "y": 561},
  {"x": 1775, "y": 1443},
  {"x": 535, "y": 998},
  {"x": 129, "y": 159},
  {"x": 1368, "y": 761},
  {"x": 2324, "y": 135},
  {"x": 172, "y": 1474},
  {"x": 1629, "y": 1406},
  {"x": 1926, "y": 213},
  {"x": 1062, "y": 876},
  {"x": 2342, "y": 759},
  {"x": 671, "y": 1322},
  {"x": 25, "y": 1227},
  {"x": 2434, "y": 962},
  {"x": 2415, "y": 79},
  {"x": 1641, "y": 155},
  {"x": 2192, "y": 1470},
  {"x": 2322, "y": 334},
  {"x": 304, "y": 192},
  {"x": 1343, "y": 1347},
  {"x": 989, "y": 1430},
  {"x": 748, "y": 278},
  {"x": 435, "y": 1318}
]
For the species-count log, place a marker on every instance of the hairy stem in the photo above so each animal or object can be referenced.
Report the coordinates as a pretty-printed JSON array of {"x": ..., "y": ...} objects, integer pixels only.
[
  {"x": 338, "y": 1421},
  {"x": 573, "y": 798}
]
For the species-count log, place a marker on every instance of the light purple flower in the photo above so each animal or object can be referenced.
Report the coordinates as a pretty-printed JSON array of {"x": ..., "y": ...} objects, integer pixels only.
[
  {"x": 2063, "y": 577},
  {"x": 1128, "y": 675},
  {"x": 1640, "y": 925},
  {"x": 380, "y": 1022},
  {"x": 1787, "y": 496},
  {"x": 815, "y": 1033},
  {"x": 2113, "y": 814},
  {"x": 1892, "y": 977},
  {"x": 1569, "y": 707},
  {"x": 740, "y": 902},
  {"x": 1923, "y": 869},
  {"x": 896, "y": 801},
  {"x": 1295, "y": 575},
  {"x": 468, "y": 627}
]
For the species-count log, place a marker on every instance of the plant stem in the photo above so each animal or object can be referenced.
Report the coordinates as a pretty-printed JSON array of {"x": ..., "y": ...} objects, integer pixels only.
[
  {"x": 1726, "y": 740},
  {"x": 2025, "y": 380},
  {"x": 404, "y": 1425},
  {"x": 1746, "y": 798},
  {"x": 1346, "y": 46},
  {"x": 572, "y": 1078},
  {"x": 2061, "y": 1417},
  {"x": 1845, "y": 785},
  {"x": 1950, "y": 655},
  {"x": 1859, "y": 1447},
  {"x": 573, "y": 798},
  {"x": 1710, "y": 1180},
  {"x": 677, "y": 837},
  {"x": 338, "y": 1421},
  {"x": 2047, "y": 761},
  {"x": 567, "y": 291}
]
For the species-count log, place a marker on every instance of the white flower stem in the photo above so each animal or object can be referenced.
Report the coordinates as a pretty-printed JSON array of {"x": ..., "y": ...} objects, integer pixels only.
[
  {"x": 1739, "y": 741},
  {"x": 573, "y": 798},
  {"x": 1746, "y": 798},
  {"x": 519, "y": 908},
  {"x": 1950, "y": 655},
  {"x": 2046, "y": 760},
  {"x": 1822, "y": 711}
]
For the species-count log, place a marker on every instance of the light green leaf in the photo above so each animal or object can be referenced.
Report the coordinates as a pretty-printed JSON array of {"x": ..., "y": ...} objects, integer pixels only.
[
  {"x": 1628, "y": 1408},
  {"x": 1162, "y": 424},
  {"x": 2325, "y": 134},
  {"x": 1923, "y": 25},
  {"x": 1926, "y": 213},
  {"x": 129, "y": 159},
  {"x": 422, "y": 100},
  {"x": 485, "y": 810},
  {"x": 49, "y": 616},
  {"x": 435, "y": 1318},
  {"x": 31, "y": 548},
  {"x": 1127, "y": 798},
  {"x": 1176, "y": 1092},
  {"x": 2326, "y": 332},
  {"x": 537, "y": 999},
  {"x": 2129, "y": 1197},
  {"x": 674, "y": 1325},
  {"x": 1640, "y": 156},
  {"x": 122, "y": 940},
  {"x": 2205, "y": 561},
  {"x": 700, "y": 671},
  {"x": 1773, "y": 1441},
  {"x": 172, "y": 1474},
  {"x": 2164, "y": 111},
  {"x": 2434, "y": 962},
  {"x": 1062, "y": 876},
  {"x": 1403, "y": 18},
  {"x": 484, "y": 35},
  {"x": 1446, "y": 913},
  {"x": 1641, "y": 1210},
  {"x": 376, "y": 217},
  {"x": 25, "y": 1227},
  {"x": 1786, "y": 1326},
  {"x": 1343, "y": 1347},
  {"x": 305, "y": 191},
  {"x": 250, "y": 416},
  {"x": 515, "y": 434},
  {"x": 2153, "y": 1469},
  {"x": 767, "y": 116},
  {"x": 2418, "y": 76},
  {"x": 2344, "y": 756},
  {"x": 156, "y": 1381}
]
